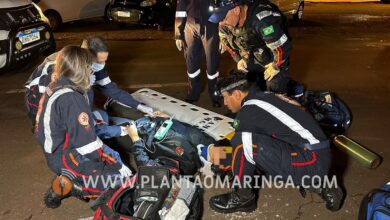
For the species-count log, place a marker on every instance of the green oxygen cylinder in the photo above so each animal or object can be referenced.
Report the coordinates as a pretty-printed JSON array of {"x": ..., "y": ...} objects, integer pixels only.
[{"x": 364, "y": 156}]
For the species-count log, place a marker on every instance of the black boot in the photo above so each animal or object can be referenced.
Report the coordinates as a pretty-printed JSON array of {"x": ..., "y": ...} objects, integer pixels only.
[
  {"x": 233, "y": 202},
  {"x": 332, "y": 196},
  {"x": 216, "y": 103},
  {"x": 51, "y": 199},
  {"x": 62, "y": 188}
]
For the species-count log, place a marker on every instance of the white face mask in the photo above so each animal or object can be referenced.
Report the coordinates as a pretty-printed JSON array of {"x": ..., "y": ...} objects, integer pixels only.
[{"x": 96, "y": 67}]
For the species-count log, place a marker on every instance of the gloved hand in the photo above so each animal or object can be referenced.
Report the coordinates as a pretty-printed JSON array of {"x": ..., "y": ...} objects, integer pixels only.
[
  {"x": 242, "y": 66},
  {"x": 206, "y": 168},
  {"x": 125, "y": 171},
  {"x": 92, "y": 79},
  {"x": 179, "y": 44},
  {"x": 270, "y": 72},
  {"x": 204, "y": 156},
  {"x": 145, "y": 109},
  {"x": 222, "y": 48},
  {"x": 132, "y": 132}
]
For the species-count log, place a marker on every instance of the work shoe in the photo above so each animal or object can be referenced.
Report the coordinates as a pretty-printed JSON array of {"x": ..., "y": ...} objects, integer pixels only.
[
  {"x": 51, "y": 199},
  {"x": 191, "y": 101},
  {"x": 62, "y": 188},
  {"x": 216, "y": 104},
  {"x": 333, "y": 198},
  {"x": 233, "y": 202}
]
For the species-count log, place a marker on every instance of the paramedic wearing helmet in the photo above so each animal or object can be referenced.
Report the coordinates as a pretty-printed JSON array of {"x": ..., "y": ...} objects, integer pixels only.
[
  {"x": 276, "y": 137},
  {"x": 254, "y": 33}
]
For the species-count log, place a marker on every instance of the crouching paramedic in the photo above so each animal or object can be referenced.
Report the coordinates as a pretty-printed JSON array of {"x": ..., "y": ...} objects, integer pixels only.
[
  {"x": 64, "y": 129},
  {"x": 276, "y": 137}
]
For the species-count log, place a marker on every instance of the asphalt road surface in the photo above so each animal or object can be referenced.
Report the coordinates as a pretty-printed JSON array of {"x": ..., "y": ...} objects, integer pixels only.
[{"x": 340, "y": 47}]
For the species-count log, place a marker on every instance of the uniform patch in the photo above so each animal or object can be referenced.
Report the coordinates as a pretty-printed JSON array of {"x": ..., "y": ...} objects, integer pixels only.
[
  {"x": 268, "y": 30},
  {"x": 83, "y": 119},
  {"x": 236, "y": 124},
  {"x": 179, "y": 151}
]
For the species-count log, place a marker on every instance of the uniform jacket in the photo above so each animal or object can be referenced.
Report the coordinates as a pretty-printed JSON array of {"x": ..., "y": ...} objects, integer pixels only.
[
  {"x": 262, "y": 39},
  {"x": 264, "y": 113},
  {"x": 65, "y": 127},
  {"x": 41, "y": 77}
]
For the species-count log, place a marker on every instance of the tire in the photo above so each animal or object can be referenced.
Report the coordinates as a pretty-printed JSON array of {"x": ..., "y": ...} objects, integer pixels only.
[
  {"x": 107, "y": 14},
  {"x": 298, "y": 15},
  {"x": 55, "y": 19}
]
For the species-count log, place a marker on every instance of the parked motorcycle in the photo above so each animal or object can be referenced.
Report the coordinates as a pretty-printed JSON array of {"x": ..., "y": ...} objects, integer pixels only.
[{"x": 156, "y": 13}]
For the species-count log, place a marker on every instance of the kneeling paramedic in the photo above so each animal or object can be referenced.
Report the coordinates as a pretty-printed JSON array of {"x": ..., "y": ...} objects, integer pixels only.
[
  {"x": 64, "y": 129},
  {"x": 100, "y": 80},
  {"x": 276, "y": 137}
]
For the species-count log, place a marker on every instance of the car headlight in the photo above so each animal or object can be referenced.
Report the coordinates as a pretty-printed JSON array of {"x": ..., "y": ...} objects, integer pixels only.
[
  {"x": 41, "y": 15},
  {"x": 147, "y": 3},
  {"x": 18, "y": 45}
]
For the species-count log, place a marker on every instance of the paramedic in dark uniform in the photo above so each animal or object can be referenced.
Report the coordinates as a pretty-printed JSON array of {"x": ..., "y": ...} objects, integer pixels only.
[
  {"x": 254, "y": 33},
  {"x": 276, "y": 137},
  {"x": 197, "y": 37},
  {"x": 64, "y": 129},
  {"x": 42, "y": 76}
]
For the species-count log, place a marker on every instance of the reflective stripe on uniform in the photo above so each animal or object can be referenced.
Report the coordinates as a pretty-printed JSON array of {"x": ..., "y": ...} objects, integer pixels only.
[
  {"x": 193, "y": 75},
  {"x": 42, "y": 89},
  {"x": 211, "y": 77},
  {"x": 283, "y": 39},
  {"x": 103, "y": 81},
  {"x": 285, "y": 119},
  {"x": 248, "y": 146},
  {"x": 46, "y": 119},
  {"x": 181, "y": 14},
  {"x": 91, "y": 147},
  {"x": 36, "y": 80},
  {"x": 263, "y": 14}
]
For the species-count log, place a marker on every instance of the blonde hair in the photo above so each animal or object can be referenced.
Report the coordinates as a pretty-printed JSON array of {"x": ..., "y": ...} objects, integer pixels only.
[{"x": 74, "y": 63}]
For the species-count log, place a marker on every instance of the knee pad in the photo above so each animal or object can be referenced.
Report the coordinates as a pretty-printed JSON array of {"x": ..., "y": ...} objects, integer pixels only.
[{"x": 62, "y": 186}]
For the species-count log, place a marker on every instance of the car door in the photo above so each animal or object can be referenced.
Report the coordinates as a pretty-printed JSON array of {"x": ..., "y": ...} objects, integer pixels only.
[
  {"x": 289, "y": 5},
  {"x": 93, "y": 8}
]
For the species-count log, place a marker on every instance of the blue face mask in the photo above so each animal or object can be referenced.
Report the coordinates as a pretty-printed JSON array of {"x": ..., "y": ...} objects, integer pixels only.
[{"x": 96, "y": 67}]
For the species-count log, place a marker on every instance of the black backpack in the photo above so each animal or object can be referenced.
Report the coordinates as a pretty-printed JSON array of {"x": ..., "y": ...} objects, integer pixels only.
[
  {"x": 329, "y": 110},
  {"x": 134, "y": 200}
]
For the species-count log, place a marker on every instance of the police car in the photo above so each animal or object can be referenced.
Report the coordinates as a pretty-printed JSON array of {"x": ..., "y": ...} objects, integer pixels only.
[{"x": 24, "y": 33}]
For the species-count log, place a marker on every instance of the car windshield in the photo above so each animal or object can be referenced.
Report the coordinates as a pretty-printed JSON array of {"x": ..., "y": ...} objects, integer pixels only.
[{"x": 13, "y": 3}]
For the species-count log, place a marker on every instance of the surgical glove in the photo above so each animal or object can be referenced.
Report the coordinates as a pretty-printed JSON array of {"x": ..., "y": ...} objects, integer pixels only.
[
  {"x": 206, "y": 168},
  {"x": 270, "y": 72},
  {"x": 132, "y": 131},
  {"x": 179, "y": 44},
  {"x": 203, "y": 151},
  {"x": 145, "y": 109},
  {"x": 242, "y": 66},
  {"x": 222, "y": 48},
  {"x": 125, "y": 171},
  {"x": 92, "y": 79},
  {"x": 203, "y": 155}
]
